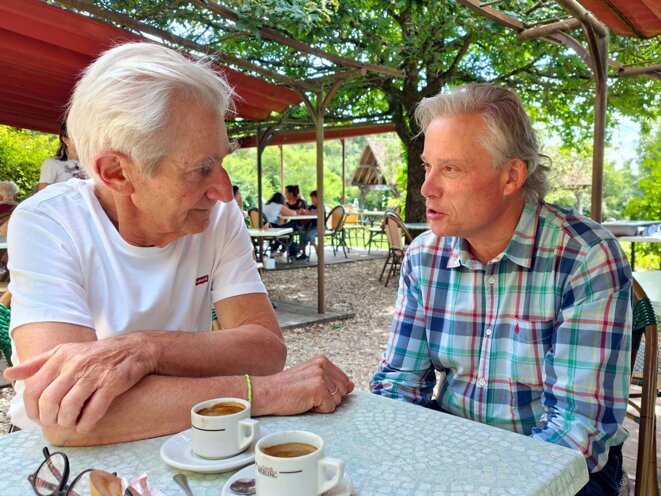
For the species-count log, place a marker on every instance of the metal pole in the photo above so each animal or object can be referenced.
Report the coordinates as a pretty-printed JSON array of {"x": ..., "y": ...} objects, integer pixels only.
[
  {"x": 344, "y": 175},
  {"x": 599, "y": 51},
  {"x": 260, "y": 149},
  {"x": 321, "y": 212},
  {"x": 282, "y": 169}
]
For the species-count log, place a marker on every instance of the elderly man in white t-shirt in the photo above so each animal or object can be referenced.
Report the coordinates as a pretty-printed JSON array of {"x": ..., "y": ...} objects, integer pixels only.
[{"x": 114, "y": 277}]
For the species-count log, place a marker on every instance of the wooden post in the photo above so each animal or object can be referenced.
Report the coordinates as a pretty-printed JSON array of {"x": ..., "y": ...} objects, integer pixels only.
[
  {"x": 344, "y": 175},
  {"x": 282, "y": 169}
]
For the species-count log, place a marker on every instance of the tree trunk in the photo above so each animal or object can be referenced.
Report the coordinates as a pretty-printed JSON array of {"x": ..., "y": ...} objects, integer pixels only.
[{"x": 415, "y": 203}]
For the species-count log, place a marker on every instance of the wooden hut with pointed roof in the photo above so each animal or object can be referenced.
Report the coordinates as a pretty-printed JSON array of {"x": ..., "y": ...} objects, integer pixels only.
[{"x": 377, "y": 168}]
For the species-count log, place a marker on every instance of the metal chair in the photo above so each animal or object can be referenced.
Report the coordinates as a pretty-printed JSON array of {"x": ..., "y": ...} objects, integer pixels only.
[
  {"x": 353, "y": 226},
  {"x": 253, "y": 218},
  {"x": 271, "y": 247},
  {"x": 335, "y": 229},
  {"x": 645, "y": 325},
  {"x": 395, "y": 229}
]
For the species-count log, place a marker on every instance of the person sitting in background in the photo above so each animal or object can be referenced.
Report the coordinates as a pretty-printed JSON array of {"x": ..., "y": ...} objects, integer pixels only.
[
  {"x": 272, "y": 210},
  {"x": 63, "y": 166},
  {"x": 114, "y": 277},
  {"x": 276, "y": 207},
  {"x": 239, "y": 199},
  {"x": 8, "y": 192},
  {"x": 309, "y": 232},
  {"x": 293, "y": 196},
  {"x": 518, "y": 310}
]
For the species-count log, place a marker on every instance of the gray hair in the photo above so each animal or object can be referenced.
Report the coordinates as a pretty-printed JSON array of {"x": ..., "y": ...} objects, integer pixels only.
[
  {"x": 122, "y": 102},
  {"x": 8, "y": 190},
  {"x": 510, "y": 133}
]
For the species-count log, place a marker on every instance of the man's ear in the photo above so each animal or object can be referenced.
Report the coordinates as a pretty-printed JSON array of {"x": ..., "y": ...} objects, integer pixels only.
[
  {"x": 114, "y": 171},
  {"x": 517, "y": 174}
]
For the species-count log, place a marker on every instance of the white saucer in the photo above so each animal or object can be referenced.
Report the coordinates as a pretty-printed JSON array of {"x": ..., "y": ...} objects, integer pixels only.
[
  {"x": 178, "y": 453},
  {"x": 344, "y": 488}
]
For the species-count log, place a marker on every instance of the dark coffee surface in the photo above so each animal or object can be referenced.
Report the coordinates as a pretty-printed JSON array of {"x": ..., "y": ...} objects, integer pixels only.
[
  {"x": 224, "y": 408},
  {"x": 289, "y": 450}
]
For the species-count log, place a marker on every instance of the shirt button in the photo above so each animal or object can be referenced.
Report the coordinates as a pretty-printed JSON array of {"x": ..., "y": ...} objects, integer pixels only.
[
  {"x": 489, "y": 331},
  {"x": 492, "y": 280},
  {"x": 482, "y": 382}
]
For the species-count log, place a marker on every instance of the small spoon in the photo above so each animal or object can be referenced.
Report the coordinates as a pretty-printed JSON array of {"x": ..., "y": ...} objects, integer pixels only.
[
  {"x": 182, "y": 482},
  {"x": 243, "y": 486}
]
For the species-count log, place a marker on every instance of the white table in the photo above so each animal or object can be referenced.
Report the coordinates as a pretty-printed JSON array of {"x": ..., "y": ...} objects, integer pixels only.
[
  {"x": 271, "y": 233},
  {"x": 259, "y": 235},
  {"x": 390, "y": 448},
  {"x": 298, "y": 217},
  {"x": 416, "y": 226}
]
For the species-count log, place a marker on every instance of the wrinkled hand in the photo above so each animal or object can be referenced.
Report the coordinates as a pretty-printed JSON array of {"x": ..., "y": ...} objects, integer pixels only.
[
  {"x": 73, "y": 384},
  {"x": 317, "y": 385}
]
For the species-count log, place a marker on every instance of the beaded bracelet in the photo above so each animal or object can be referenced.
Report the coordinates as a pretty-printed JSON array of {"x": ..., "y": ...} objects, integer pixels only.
[{"x": 249, "y": 384}]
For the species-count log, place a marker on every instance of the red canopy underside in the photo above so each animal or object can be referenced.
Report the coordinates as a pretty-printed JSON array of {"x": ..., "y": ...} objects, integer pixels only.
[
  {"x": 44, "y": 48},
  {"x": 640, "y": 18},
  {"x": 294, "y": 137}
]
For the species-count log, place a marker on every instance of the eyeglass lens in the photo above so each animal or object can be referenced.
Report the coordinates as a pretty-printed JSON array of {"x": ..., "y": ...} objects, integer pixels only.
[{"x": 48, "y": 478}]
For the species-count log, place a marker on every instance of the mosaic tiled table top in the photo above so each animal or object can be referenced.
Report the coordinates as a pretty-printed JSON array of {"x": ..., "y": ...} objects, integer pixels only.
[{"x": 390, "y": 448}]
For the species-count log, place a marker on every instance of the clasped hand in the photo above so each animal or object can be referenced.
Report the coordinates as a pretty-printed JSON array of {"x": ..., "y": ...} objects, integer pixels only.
[{"x": 73, "y": 384}]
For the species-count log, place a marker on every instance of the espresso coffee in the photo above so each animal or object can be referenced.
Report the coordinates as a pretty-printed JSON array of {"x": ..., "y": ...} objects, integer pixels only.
[
  {"x": 224, "y": 408},
  {"x": 289, "y": 450}
]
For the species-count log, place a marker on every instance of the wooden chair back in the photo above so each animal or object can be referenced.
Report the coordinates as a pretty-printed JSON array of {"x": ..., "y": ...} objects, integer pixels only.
[
  {"x": 646, "y": 325},
  {"x": 253, "y": 218},
  {"x": 395, "y": 231},
  {"x": 336, "y": 218}
]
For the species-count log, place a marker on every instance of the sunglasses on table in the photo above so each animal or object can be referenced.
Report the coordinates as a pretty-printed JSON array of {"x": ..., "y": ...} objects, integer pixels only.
[{"x": 52, "y": 476}]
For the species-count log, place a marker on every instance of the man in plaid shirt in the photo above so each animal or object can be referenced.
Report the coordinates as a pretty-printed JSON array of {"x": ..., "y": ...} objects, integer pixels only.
[{"x": 523, "y": 308}]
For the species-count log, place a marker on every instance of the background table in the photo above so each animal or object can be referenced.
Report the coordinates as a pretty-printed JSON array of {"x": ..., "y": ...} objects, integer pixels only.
[
  {"x": 390, "y": 448},
  {"x": 638, "y": 239},
  {"x": 298, "y": 217},
  {"x": 258, "y": 235}
]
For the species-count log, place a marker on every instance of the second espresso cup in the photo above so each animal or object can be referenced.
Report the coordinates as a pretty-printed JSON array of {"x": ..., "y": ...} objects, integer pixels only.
[
  {"x": 293, "y": 462},
  {"x": 222, "y": 427}
]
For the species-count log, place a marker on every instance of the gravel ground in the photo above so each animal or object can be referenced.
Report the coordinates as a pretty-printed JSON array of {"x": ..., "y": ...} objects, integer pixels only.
[{"x": 355, "y": 345}]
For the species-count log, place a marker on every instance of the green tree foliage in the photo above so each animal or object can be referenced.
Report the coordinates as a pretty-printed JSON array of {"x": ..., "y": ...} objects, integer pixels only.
[
  {"x": 571, "y": 182},
  {"x": 21, "y": 155},
  {"x": 300, "y": 163},
  {"x": 437, "y": 45},
  {"x": 646, "y": 205}
]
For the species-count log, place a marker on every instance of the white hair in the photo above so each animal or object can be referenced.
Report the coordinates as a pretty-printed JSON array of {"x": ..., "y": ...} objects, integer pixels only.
[
  {"x": 509, "y": 131},
  {"x": 122, "y": 102},
  {"x": 8, "y": 190}
]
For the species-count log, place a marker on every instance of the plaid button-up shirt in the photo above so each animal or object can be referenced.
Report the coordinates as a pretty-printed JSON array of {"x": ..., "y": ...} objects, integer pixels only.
[{"x": 537, "y": 341}]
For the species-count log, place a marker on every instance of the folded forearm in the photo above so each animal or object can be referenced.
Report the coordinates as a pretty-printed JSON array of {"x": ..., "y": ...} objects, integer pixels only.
[
  {"x": 248, "y": 349},
  {"x": 156, "y": 406}
]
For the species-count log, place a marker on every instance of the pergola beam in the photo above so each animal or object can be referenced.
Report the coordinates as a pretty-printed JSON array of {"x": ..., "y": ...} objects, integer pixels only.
[
  {"x": 273, "y": 35},
  {"x": 493, "y": 14},
  {"x": 651, "y": 70},
  {"x": 178, "y": 40},
  {"x": 585, "y": 16},
  {"x": 542, "y": 31}
]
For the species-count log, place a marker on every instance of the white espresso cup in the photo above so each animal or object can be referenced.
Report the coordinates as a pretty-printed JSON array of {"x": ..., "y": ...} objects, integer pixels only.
[
  {"x": 225, "y": 429},
  {"x": 293, "y": 462}
]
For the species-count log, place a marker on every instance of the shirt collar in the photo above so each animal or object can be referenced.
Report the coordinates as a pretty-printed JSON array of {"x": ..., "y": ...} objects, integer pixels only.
[{"x": 519, "y": 250}]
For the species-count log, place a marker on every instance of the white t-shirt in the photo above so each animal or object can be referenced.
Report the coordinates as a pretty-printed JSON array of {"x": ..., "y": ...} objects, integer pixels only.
[
  {"x": 271, "y": 211},
  {"x": 69, "y": 264},
  {"x": 54, "y": 170}
]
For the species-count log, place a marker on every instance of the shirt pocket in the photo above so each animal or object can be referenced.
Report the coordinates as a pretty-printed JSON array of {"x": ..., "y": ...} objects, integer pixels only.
[{"x": 531, "y": 340}]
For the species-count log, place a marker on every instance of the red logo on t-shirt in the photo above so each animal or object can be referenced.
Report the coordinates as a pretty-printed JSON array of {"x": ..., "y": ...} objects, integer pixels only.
[{"x": 201, "y": 280}]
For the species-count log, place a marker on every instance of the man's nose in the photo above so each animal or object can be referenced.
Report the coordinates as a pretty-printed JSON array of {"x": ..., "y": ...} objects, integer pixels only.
[
  {"x": 221, "y": 188},
  {"x": 427, "y": 188}
]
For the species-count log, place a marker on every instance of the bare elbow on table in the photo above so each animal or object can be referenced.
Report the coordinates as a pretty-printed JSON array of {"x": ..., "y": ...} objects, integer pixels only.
[
  {"x": 60, "y": 436},
  {"x": 278, "y": 356}
]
